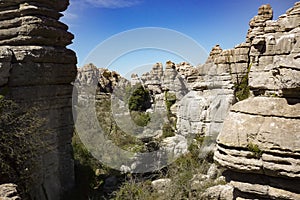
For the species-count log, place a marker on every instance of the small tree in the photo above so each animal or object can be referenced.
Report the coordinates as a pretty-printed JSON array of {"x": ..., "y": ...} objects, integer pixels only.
[
  {"x": 139, "y": 102},
  {"x": 140, "y": 99}
]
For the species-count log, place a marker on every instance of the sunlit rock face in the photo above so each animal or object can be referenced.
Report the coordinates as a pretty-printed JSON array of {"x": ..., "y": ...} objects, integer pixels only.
[
  {"x": 259, "y": 143},
  {"x": 37, "y": 70}
]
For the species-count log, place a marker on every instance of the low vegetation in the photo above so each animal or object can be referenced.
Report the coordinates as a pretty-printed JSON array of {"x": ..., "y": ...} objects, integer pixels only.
[
  {"x": 139, "y": 99},
  {"x": 92, "y": 175},
  {"x": 109, "y": 126},
  {"x": 256, "y": 151},
  {"x": 181, "y": 173},
  {"x": 168, "y": 131},
  {"x": 170, "y": 126},
  {"x": 89, "y": 172},
  {"x": 242, "y": 90},
  {"x": 19, "y": 128}
]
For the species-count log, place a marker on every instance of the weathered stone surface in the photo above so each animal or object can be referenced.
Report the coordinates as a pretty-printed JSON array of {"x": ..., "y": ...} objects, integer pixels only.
[
  {"x": 261, "y": 121},
  {"x": 9, "y": 192},
  {"x": 176, "y": 146},
  {"x": 5, "y": 65},
  {"x": 214, "y": 53},
  {"x": 161, "y": 185},
  {"x": 265, "y": 191},
  {"x": 38, "y": 69},
  {"x": 218, "y": 192},
  {"x": 273, "y": 56},
  {"x": 28, "y": 23},
  {"x": 257, "y": 23},
  {"x": 213, "y": 171},
  {"x": 56, "y": 5},
  {"x": 259, "y": 143},
  {"x": 271, "y": 126},
  {"x": 107, "y": 80}
]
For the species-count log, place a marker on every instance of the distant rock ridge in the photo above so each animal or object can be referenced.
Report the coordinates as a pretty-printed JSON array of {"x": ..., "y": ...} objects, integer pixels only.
[
  {"x": 106, "y": 80},
  {"x": 37, "y": 69}
]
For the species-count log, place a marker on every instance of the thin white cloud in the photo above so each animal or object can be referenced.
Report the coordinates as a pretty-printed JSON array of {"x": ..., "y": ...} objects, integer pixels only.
[
  {"x": 69, "y": 16},
  {"x": 111, "y": 3},
  {"x": 77, "y": 7}
]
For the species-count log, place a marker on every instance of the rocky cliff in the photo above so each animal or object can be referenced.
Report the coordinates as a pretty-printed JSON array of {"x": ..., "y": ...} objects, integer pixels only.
[
  {"x": 36, "y": 70},
  {"x": 259, "y": 144}
]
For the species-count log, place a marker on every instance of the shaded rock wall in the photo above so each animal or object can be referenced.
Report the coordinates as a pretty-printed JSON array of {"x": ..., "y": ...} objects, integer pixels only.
[
  {"x": 259, "y": 143},
  {"x": 37, "y": 69}
]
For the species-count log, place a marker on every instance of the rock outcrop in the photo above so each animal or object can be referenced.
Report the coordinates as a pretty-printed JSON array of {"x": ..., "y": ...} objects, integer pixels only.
[
  {"x": 36, "y": 68},
  {"x": 259, "y": 144},
  {"x": 9, "y": 192},
  {"x": 105, "y": 79}
]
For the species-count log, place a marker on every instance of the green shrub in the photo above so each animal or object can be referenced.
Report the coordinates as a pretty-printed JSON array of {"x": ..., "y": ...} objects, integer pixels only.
[
  {"x": 19, "y": 143},
  {"x": 132, "y": 189},
  {"x": 88, "y": 182},
  {"x": 168, "y": 131},
  {"x": 242, "y": 90},
  {"x": 168, "y": 128},
  {"x": 170, "y": 99},
  {"x": 140, "y": 99},
  {"x": 257, "y": 152},
  {"x": 140, "y": 118},
  {"x": 111, "y": 130}
]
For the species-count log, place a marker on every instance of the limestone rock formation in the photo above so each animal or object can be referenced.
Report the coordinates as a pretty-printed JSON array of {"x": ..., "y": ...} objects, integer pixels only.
[
  {"x": 259, "y": 143},
  {"x": 258, "y": 23},
  {"x": 106, "y": 80},
  {"x": 203, "y": 93},
  {"x": 37, "y": 69},
  {"x": 9, "y": 192},
  {"x": 5, "y": 65},
  {"x": 220, "y": 192},
  {"x": 161, "y": 185}
]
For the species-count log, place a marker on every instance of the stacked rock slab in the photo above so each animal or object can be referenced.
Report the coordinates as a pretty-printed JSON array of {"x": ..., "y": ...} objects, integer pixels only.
[
  {"x": 260, "y": 141},
  {"x": 37, "y": 69}
]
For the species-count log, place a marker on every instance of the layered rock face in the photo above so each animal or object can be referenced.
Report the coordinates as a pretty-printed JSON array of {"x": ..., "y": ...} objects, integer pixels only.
[
  {"x": 259, "y": 143},
  {"x": 37, "y": 69},
  {"x": 202, "y": 94}
]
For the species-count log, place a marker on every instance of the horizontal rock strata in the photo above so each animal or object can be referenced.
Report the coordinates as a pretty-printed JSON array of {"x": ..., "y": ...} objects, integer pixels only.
[
  {"x": 259, "y": 143},
  {"x": 37, "y": 69}
]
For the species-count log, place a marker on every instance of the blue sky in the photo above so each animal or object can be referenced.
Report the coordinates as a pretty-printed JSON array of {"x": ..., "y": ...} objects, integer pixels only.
[{"x": 208, "y": 22}]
